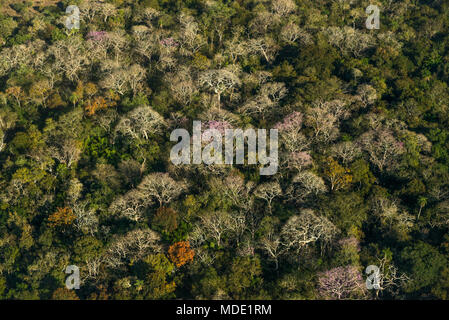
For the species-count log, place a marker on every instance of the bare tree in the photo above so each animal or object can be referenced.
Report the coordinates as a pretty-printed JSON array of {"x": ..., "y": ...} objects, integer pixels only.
[
  {"x": 304, "y": 184},
  {"x": 215, "y": 225},
  {"x": 292, "y": 33},
  {"x": 117, "y": 42},
  {"x": 235, "y": 47},
  {"x": 389, "y": 279},
  {"x": 271, "y": 243},
  {"x": 219, "y": 81},
  {"x": 86, "y": 221},
  {"x": 161, "y": 187},
  {"x": 190, "y": 37},
  {"x": 324, "y": 118},
  {"x": 265, "y": 46},
  {"x": 70, "y": 57},
  {"x": 393, "y": 217},
  {"x": 234, "y": 188},
  {"x": 346, "y": 151},
  {"x": 266, "y": 101},
  {"x": 268, "y": 191},
  {"x": 140, "y": 123},
  {"x": 134, "y": 245},
  {"x": 307, "y": 228},
  {"x": 131, "y": 205},
  {"x": 67, "y": 151},
  {"x": 107, "y": 10},
  {"x": 122, "y": 80},
  {"x": 182, "y": 85},
  {"x": 382, "y": 147},
  {"x": 366, "y": 94},
  {"x": 349, "y": 40},
  {"x": 262, "y": 23},
  {"x": 283, "y": 7},
  {"x": 90, "y": 9}
]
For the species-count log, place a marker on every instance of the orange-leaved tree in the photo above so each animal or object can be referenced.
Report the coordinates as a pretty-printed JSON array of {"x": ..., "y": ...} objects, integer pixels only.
[
  {"x": 181, "y": 253},
  {"x": 62, "y": 217}
]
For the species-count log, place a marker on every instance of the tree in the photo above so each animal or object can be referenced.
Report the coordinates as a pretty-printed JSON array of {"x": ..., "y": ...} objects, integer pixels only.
[
  {"x": 424, "y": 264},
  {"x": 99, "y": 103},
  {"x": 7, "y": 121},
  {"x": 268, "y": 98},
  {"x": 215, "y": 225},
  {"x": 347, "y": 151},
  {"x": 157, "y": 285},
  {"x": 180, "y": 253},
  {"x": 131, "y": 205},
  {"x": 67, "y": 151},
  {"x": 268, "y": 191},
  {"x": 85, "y": 219},
  {"x": 366, "y": 94},
  {"x": 290, "y": 132},
  {"x": 297, "y": 161},
  {"x": 389, "y": 279},
  {"x": 301, "y": 230},
  {"x": 306, "y": 183},
  {"x": 349, "y": 40},
  {"x": 64, "y": 294},
  {"x": 283, "y": 7},
  {"x": 219, "y": 81},
  {"x": 166, "y": 219},
  {"x": 182, "y": 85},
  {"x": 62, "y": 217},
  {"x": 265, "y": 46},
  {"x": 140, "y": 123},
  {"x": 271, "y": 241},
  {"x": 236, "y": 190},
  {"x": 382, "y": 147},
  {"x": 338, "y": 176},
  {"x": 69, "y": 56},
  {"x": 341, "y": 283},
  {"x": 132, "y": 246},
  {"x": 392, "y": 217},
  {"x": 118, "y": 43},
  {"x": 324, "y": 118},
  {"x": 122, "y": 80},
  {"x": 161, "y": 187},
  {"x": 291, "y": 33},
  {"x": 190, "y": 36}
]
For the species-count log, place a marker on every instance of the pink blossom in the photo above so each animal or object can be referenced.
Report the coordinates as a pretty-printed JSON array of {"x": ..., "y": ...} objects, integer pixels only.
[
  {"x": 298, "y": 160},
  {"x": 169, "y": 42},
  {"x": 292, "y": 121},
  {"x": 341, "y": 283},
  {"x": 97, "y": 35},
  {"x": 221, "y": 126}
]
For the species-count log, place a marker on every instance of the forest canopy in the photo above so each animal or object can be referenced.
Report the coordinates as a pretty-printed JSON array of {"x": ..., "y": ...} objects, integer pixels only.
[{"x": 86, "y": 178}]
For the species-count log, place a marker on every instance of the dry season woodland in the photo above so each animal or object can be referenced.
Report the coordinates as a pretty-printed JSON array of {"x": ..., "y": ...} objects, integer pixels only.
[{"x": 86, "y": 177}]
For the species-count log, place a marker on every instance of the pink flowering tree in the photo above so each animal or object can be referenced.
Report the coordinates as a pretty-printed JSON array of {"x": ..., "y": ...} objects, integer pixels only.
[
  {"x": 169, "y": 43},
  {"x": 97, "y": 35},
  {"x": 295, "y": 157},
  {"x": 298, "y": 160},
  {"x": 291, "y": 122},
  {"x": 341, "y": 283}
]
